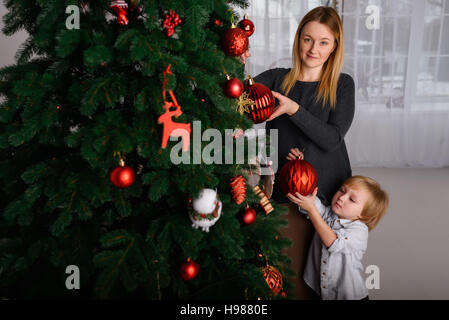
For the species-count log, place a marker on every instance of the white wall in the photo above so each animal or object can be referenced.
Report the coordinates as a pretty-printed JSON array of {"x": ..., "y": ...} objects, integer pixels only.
[
  {"x": 9, "y": 45},
  {"x": 410, "y": 244}
]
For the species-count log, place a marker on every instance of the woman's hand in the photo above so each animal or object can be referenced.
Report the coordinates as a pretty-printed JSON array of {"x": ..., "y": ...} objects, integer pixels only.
[
  {"x": 295, "y": 154},
  {"x": 286, "y": 105},
  {"x": 244, "y": 56},
  {"x": 306, "y": 203}
]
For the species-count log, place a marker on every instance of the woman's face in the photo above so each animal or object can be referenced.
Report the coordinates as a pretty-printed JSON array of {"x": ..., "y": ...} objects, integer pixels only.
[{"x": 316, "y": 44}]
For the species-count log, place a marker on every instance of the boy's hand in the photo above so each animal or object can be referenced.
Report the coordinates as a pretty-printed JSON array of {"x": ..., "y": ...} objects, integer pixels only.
[
  {"x": 304, "y": 202},
  {"x": 324, "y": 231},
  {"x": 295, "y": 154}
]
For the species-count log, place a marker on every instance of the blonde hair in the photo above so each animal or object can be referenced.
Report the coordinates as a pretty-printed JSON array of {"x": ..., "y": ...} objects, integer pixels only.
[
  {"x": 376, "y": 205},
  {"x": 327, "y": 90}
]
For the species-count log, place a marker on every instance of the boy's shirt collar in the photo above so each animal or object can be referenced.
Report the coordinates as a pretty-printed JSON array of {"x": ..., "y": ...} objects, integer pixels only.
[
  {"x": 344, "y": 221},
  {"x": 341, "y": 221}
]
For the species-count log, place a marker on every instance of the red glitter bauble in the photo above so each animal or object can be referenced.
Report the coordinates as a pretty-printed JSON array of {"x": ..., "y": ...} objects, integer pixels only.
[
  {"x": 235, "y": 42},
  {"x": 122, "y": 176},
  {"x": 233, "y": 88},
  {"x": 263, "y": 99},
  {"x": 249, "y": 216},
  {"x": 298, "y": 176},
  {"x": 247, "y": 26},
  {"x": 189, "y": 270}
]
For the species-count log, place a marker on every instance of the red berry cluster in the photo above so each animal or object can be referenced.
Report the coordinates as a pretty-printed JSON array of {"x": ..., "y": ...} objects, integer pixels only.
[{"x": 171, "y": 21}]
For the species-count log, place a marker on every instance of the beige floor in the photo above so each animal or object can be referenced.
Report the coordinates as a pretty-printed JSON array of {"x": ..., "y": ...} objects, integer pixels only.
[{"x": 411, "y": 244}]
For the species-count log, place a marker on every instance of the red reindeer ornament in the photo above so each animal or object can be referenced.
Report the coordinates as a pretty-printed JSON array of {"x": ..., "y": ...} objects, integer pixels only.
[
  {"x": 171, "y": 128},
  {"x": 174, "y": 129}
]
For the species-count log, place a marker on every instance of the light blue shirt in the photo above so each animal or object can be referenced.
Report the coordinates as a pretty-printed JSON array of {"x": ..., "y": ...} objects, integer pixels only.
[{"x": 335, "y": 273}]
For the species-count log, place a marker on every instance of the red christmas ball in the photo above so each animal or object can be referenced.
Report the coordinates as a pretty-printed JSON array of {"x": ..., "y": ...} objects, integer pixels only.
[
  {"x": 189, "y": 270},
  {"x": 263, "y": 107},
  {"x": 247, "y": 26},
  {"x": 122, "y": 176},
  {"x": 298, "y": 176},
  {"x": 233, "y": 88},
  {"x": 235, "y": 42},
  {"x": 249, "y": 216}
]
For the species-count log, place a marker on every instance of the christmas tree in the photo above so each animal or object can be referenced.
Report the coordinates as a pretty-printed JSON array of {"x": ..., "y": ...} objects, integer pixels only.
[{"x": 87, "y": 185}]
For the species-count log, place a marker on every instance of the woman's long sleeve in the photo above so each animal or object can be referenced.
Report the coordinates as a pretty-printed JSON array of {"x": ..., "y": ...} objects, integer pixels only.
[
  {"x": 329, "y": 135},
  {"x": 267, "y": 78}
]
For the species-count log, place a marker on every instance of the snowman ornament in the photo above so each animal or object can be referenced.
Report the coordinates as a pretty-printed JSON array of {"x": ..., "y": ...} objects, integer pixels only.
[{"x": 205, "y": 210}]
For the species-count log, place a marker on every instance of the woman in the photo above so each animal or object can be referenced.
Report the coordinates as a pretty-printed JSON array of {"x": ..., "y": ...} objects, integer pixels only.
[{"x": 315, "y": 111}]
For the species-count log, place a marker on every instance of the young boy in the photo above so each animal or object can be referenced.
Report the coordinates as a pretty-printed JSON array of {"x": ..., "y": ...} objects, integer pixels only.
[{"x": 333, "y": 268}]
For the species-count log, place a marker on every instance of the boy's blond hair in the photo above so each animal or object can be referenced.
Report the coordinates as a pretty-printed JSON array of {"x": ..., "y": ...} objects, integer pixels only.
[{"x": 376, "y": 205}]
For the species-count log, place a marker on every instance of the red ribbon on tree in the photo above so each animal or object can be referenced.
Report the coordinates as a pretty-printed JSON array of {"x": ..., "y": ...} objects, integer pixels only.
[{"x": 120, "y": 7}]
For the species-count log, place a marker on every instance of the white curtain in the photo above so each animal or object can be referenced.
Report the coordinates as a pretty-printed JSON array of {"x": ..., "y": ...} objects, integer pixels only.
[{"x": 398, "y": 54}]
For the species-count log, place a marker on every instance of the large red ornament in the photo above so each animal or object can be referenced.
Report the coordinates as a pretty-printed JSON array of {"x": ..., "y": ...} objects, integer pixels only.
[
  {"x": 298, "y": 176},
  {"x": 235, "y": 42},
  {"x": 189, "y": 270},
  {"x": 247, "y": 26},
  {"x": 233, "y": 87},
  {"x": 263, "y": 99},
  {"x": 249, "y": 216},
  {"x": 122, "y": 176}
]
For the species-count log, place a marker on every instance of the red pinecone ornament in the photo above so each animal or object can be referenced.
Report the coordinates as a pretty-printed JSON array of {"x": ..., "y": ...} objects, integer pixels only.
[
  {"x": 263, "y": 99},
  {"x": 238, "y": 189},
  {"x": 273, "y": 278},
  {"x": 235, "y": 42},
  {"x": 298, "y": 176}
]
